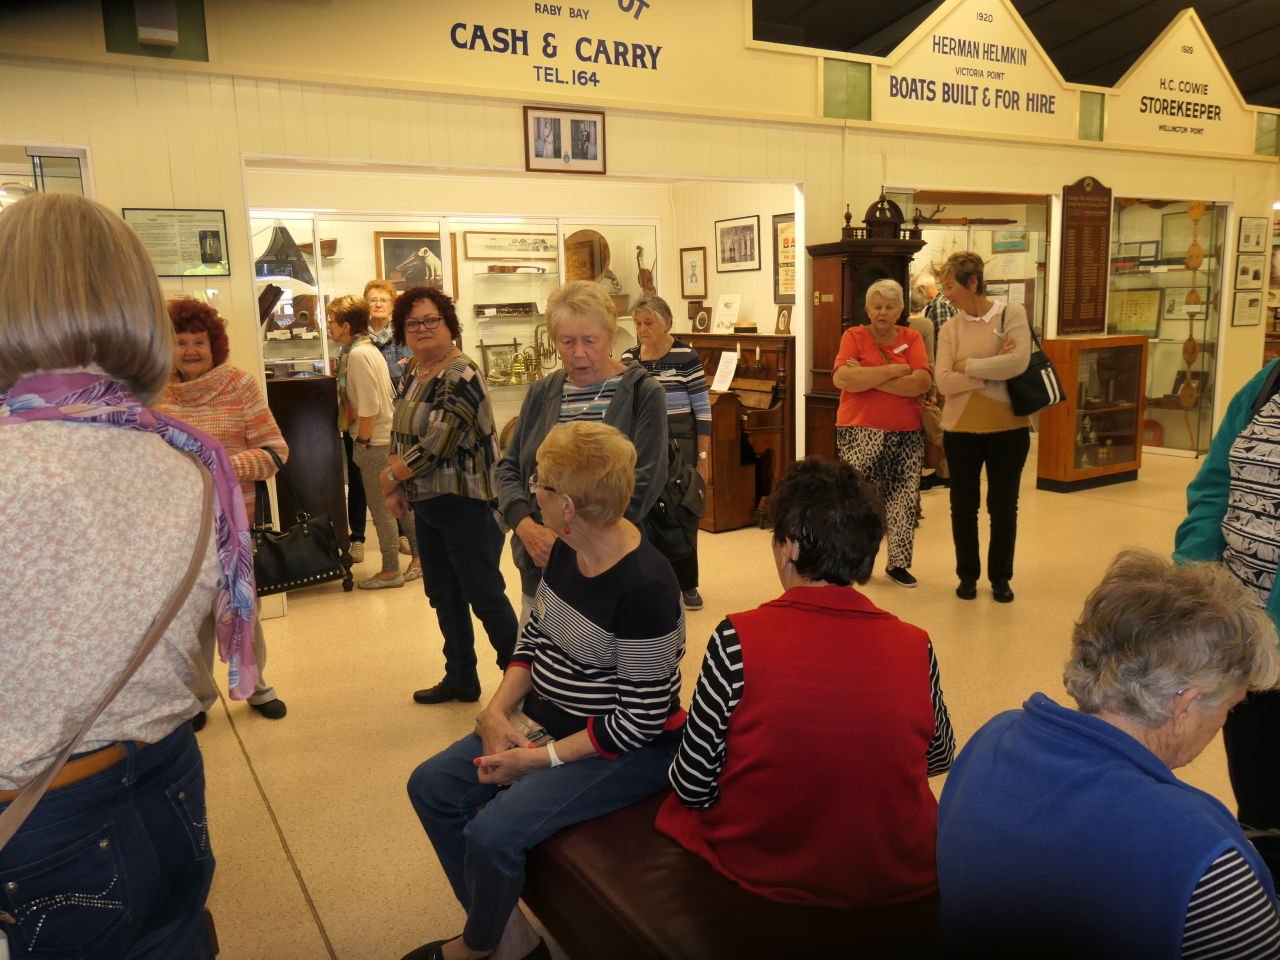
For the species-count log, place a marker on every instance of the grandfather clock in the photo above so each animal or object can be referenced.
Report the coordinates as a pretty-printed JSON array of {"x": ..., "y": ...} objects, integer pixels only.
[{"x": 842, "y": 272}]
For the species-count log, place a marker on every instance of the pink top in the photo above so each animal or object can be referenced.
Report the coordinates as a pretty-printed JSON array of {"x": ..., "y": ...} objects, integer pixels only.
[
  {"x": 228, "y": 404},
  {"x": 978, "y": 400}
]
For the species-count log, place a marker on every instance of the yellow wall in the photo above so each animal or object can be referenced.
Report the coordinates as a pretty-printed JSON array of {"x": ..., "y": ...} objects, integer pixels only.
[{"x": 158, "y": 136}]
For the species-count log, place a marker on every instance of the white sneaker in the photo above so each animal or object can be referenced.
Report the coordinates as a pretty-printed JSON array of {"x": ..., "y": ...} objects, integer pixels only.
[
  {"x": 357, "y": 552},
  {"x": 404, "y": 547},
  {"x": 413, "y": 573}
]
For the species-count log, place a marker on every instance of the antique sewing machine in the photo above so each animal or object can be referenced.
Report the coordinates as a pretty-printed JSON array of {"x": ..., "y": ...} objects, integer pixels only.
[{"x": 752, "y": 425}]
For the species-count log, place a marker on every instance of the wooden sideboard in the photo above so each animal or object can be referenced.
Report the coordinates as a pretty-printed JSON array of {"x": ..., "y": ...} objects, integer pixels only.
[{"x": 751, "y": 447}]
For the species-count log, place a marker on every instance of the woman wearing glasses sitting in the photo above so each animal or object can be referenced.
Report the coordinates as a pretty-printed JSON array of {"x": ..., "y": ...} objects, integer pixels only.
[
  {"x": 443, "y": 451},
  {"x": 597, "y": 667}
]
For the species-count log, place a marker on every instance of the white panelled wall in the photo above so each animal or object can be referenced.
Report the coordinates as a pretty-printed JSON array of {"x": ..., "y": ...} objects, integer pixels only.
[{"x": 159, "y": 137}]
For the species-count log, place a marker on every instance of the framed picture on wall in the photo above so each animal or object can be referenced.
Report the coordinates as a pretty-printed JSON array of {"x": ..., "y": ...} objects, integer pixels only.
[
  {"x": 784, "y": 258},
  {"x": 563, "y": 141},
  {"x": 1253, "y": 235},
  {"x": 480, "y": 245},
  {"x": 1008, "y": 241},
  {"x": 1248, "y": 309},
  {"x": 182, "y": 243},
  {"x": 693, "y": 273},
  {"x": 1134, "y": 312},
  {"x": 1249, "y": 270},
  {"x": 738, "y": 244},
  {"x": 409, "y": 259}
]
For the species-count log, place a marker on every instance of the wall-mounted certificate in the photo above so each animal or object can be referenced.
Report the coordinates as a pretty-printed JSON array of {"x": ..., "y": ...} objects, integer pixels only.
[{"x": 182, "y": 243}]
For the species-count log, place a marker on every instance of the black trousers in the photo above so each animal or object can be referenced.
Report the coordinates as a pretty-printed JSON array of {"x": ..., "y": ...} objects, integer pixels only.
[
  {"x": 357, "y": 505},
  {"x": 1252, "y": 738},
  {"x": 1003, "y": 454}
]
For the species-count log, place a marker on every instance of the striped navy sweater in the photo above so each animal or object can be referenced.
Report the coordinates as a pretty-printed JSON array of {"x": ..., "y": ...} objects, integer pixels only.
[{"x": 605, "y": 651}]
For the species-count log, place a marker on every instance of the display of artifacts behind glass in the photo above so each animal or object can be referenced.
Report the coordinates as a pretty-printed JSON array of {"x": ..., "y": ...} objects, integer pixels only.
[
  {"x": 1180, "y": 288},
  {"x": 1008, "y": 232},
  {"x": 293, "y": 324}
]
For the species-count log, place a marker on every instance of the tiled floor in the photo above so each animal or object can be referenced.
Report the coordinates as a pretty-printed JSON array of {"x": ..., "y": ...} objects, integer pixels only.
[{"x": 320, "y": 855}]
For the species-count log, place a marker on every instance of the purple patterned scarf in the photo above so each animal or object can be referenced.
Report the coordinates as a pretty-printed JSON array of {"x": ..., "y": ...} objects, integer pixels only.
[{"x": 87, "y": 396}]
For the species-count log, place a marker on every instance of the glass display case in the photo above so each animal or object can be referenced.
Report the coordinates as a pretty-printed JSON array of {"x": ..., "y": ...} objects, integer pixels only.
[
  {"x": 1166, "y": 285},
  {"x": 291, "y": 312},
  {"x": 1095, "y": 436}
]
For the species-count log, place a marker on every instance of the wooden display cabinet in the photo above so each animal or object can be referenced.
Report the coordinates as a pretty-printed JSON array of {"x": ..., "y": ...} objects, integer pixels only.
[{"x": 1094, "y": 437}]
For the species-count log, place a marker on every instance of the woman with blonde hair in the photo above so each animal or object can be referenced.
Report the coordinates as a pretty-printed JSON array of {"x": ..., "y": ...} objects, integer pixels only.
[
  {"x": 597, "y": 668},
  {"x": 592, "y": 387},
  {"x": 103, "y": 505},
  {"x": 984, "y": 345}
]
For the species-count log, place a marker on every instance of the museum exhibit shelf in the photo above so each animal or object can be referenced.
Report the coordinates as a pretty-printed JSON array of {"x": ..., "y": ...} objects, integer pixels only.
[{"x": 1094, "y": 437}]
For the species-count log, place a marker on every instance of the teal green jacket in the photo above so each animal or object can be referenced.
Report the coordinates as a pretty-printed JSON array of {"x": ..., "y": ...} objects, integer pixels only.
[{"x": 1199, "y": 536}]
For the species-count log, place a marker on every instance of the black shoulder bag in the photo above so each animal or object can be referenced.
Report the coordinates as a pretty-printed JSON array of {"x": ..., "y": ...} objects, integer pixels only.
[
  {"x": 302, "y": 556},
  {"x": 1037, "y": 387}
]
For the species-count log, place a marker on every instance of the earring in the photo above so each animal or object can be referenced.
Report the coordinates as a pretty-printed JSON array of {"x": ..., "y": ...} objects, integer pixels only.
[{"x": 567, "y": 530}]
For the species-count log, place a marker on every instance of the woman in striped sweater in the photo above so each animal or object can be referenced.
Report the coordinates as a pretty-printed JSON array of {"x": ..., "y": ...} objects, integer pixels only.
[
  {"x": 676, "y": 366},
  {"x": 597, "y": 668}
]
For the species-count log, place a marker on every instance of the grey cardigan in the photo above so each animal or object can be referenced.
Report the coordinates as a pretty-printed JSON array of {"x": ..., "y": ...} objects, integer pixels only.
[{"x": 638, "y": 409}]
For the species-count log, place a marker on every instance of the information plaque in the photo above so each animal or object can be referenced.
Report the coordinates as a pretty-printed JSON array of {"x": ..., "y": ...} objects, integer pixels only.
[{"x": 1085, "y": 263}]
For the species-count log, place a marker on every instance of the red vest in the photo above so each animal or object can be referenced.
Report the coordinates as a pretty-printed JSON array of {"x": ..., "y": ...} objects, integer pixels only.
[{"x": 824, "y": 798}]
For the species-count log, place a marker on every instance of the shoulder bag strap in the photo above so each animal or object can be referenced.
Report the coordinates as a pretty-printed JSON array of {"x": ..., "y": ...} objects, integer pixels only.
[
  {"x": 11, "y": 820},
  {"x": 283, "y": 478}
]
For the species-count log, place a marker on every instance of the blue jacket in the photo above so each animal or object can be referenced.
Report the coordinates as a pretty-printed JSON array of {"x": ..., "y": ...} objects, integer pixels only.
[
  {"x": 1057, "y": 828},
  {"x": 1199, "y": 536}
]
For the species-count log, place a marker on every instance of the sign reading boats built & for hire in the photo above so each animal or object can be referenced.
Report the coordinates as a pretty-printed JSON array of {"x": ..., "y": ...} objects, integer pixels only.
[{"x": 974, "y": 65}]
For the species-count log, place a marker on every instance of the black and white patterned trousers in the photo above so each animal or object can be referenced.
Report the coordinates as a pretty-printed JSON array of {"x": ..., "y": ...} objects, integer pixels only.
[{"x": 891, "y": 460}]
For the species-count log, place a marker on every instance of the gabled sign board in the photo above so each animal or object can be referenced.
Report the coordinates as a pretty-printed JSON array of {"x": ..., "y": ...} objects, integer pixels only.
[
  {"x": 1180, "y": 96},
  {"x": 974, "y": 65}
]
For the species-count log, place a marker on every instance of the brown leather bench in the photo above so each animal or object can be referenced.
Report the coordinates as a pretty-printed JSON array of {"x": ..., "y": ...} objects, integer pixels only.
[{"x": 616, "y": 889}]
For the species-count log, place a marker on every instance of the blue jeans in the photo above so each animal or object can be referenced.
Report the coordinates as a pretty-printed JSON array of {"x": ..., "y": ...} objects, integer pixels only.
[
  {"x": 460, "y": 544},
  {"x": 116, "y": 866},
  {"x": 483, "y": 851}
]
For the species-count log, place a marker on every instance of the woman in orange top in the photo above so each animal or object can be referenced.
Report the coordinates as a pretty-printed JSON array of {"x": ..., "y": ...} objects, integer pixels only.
[{"x": 882, "y": 371}]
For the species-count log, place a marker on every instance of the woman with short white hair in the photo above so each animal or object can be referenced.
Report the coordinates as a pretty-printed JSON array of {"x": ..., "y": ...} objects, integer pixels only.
[
  {"x": 882, "y": 371},
  {"x": 1065, "y": 832}
]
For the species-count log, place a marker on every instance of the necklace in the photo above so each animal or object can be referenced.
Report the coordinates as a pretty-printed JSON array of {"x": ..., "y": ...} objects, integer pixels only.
[{"x": 435, "y": 368}]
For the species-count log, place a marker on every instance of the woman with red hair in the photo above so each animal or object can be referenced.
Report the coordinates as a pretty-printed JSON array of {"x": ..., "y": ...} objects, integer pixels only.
[{"x": 226, "y": 403}]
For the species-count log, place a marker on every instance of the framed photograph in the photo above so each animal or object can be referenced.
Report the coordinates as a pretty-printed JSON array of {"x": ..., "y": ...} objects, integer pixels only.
[
  {"x": 1008, "y": 241},
  {"x": 1175, "y": 304},
  {"x": 783, "y": 326},
  {"x": 702, "y": 322},
  {"x": 1249, "y": 270},
  {"x": 509, "y": 246},
  {"x": 1248, "y": 309},
  {"x": 182, "y": 243},
  {"x": 1134, "y": 312},
  {"x": 1253, "y": 235},
  {"x": 738, "y": 244},
  {"x": 784, "y": 258},
  {"x": 563, "y": 141},
  {"x": 409, "y": 259},
  {"x": 496, "y": 359},
  {"x": 693, "y": 273}
]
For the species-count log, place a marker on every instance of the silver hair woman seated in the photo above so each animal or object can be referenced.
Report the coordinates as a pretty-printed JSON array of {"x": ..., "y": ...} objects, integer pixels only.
[{"x": 1065, "y": 832}]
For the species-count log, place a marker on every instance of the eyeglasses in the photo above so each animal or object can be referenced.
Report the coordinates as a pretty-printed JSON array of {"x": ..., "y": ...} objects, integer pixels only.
[
  {"x": 534, "y": 485},
  {"x": 425, "y": 323},
  {"x": 383, "y": 301}
]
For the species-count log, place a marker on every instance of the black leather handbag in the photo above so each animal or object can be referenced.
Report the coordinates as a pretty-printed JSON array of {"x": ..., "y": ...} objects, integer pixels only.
[
  {"x": 304, "y": 555},
  {"x": 1038, "y": 386}
]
